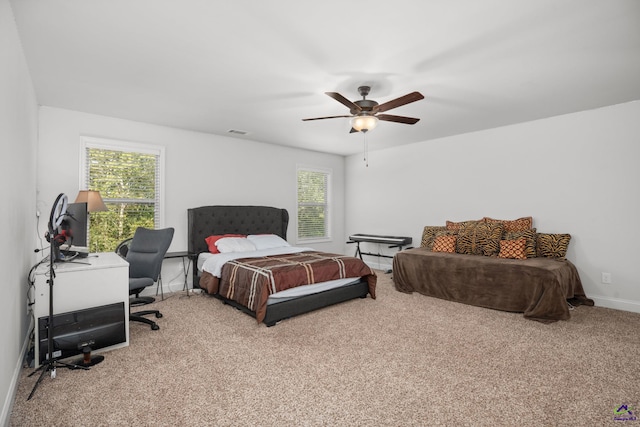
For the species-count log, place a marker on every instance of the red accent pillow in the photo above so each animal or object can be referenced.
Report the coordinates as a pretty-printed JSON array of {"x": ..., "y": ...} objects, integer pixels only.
[{"x": 211, "y": 241}]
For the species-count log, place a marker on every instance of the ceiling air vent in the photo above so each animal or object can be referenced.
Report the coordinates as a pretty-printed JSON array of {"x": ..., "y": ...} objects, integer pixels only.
[{"x": 237, "y": 132}]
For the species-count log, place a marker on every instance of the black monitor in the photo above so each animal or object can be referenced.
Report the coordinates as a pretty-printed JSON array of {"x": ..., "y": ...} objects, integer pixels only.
[
  {"x": 96, "y": 327},
  {"x": 74, "y": 228}
]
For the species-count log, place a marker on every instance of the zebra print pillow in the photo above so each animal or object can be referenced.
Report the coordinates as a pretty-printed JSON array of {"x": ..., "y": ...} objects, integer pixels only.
[
  {"x": 479, "y": 239},
  {"x": 429, "y": 235},
  {"x": 455, "y": 226},
  {"x": 552, "y": 245}
]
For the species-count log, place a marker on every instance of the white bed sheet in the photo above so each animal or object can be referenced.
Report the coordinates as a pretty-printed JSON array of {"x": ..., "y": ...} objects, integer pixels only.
[
  {"x": 212, "y": 263},
  {"x": 299, "y": 291}
]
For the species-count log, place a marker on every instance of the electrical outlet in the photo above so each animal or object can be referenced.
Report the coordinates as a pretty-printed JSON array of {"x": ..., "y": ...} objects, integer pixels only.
[{"x": 606, "y": 278}]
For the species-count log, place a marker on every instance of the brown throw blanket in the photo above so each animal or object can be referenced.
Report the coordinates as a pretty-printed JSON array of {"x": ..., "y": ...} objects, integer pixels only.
[
  {"x": 538, "y": 287},
  {"x": 250, "y": 281}
]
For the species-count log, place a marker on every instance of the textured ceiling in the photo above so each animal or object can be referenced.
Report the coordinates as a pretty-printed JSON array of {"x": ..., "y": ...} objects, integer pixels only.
[{"x": 262, "y": 66}]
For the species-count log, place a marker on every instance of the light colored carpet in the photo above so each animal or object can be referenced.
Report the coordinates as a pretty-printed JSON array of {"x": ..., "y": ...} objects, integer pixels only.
[{"x": 400, "y": 360}]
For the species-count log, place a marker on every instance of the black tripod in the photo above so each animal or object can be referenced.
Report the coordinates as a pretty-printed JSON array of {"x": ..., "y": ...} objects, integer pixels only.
[{"x": 50, "y": 364}]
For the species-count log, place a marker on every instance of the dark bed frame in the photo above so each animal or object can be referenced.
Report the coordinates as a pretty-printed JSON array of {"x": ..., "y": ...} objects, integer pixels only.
[{"x": 214, "y": 220}]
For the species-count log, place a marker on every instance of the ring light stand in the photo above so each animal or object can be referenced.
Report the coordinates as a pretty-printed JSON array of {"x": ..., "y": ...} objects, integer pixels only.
[{"x": 55, "y": 219}]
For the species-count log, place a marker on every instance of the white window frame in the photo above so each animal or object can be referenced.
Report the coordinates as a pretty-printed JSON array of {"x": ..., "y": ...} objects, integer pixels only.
[
  {"x": 329, "y": 205},
  {"x": 131, "y": 147}
]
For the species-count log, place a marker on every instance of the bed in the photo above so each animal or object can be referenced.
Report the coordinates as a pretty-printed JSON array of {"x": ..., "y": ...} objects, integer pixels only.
[{"x": 263, "y": 301}]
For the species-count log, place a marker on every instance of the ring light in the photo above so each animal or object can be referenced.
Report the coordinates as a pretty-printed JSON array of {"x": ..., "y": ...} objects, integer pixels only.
[{"x": 57, "y": 212}]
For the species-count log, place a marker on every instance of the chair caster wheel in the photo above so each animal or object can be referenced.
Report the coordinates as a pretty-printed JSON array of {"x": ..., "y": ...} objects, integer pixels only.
[
  {"x": 158, "y": 315},
  {"x": 155, "y": 327}
]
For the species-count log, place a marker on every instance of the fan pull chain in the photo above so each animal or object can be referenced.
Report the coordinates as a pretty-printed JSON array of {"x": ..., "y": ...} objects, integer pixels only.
[{"x": 366, "y": 150}]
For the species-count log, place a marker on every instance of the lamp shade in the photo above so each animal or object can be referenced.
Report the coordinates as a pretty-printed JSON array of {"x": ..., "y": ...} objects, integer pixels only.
[
  {"x": 92, "y": 199},
  {"x": 364, "y": 123}
]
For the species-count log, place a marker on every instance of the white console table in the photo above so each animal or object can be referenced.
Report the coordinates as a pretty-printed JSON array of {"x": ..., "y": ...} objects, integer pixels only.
[{"x": 94, "y": 281}]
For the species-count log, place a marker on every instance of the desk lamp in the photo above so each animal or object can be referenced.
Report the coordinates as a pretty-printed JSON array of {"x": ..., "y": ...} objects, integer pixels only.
[
  {"x": 94, "y": 204},
  {"x": 92, "y": 199}
]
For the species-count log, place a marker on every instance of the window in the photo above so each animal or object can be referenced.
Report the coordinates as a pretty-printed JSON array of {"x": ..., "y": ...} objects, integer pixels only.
[
  {"x": 128, "y": 176},
  {"x": 313, "y": 204}
]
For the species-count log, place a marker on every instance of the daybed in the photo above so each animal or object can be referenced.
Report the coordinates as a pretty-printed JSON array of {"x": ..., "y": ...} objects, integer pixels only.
[
  {"x": 503, "y": 265},
  {"x": 254, "y": 281}
]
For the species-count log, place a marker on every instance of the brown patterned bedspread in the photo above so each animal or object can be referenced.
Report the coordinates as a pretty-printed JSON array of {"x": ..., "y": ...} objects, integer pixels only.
[{"x": 250, "y": 281}]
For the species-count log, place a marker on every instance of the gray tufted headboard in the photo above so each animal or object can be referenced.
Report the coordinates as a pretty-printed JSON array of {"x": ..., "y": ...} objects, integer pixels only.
[{"x": 211, "y": 220}]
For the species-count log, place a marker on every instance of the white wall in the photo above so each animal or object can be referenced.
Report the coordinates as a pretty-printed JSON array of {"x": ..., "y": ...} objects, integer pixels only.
[
  {"x": 576, "y": 174},
  {"x": 201, "y": 169},
  {"x": 18, "y": 134}
]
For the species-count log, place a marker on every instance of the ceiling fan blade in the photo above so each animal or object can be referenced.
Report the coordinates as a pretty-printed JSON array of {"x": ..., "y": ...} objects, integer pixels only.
[
  {"x": 322, "y": 118},
  {"x": 353, "y": 130},
  {"x": 395, "y": 103},
  {"x": 398, "y": 119},
  {"x": 344, "y": 101}
]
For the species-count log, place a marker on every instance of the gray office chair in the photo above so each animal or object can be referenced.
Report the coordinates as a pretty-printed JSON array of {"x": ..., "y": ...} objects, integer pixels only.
[{"x": 144, "y": 252}]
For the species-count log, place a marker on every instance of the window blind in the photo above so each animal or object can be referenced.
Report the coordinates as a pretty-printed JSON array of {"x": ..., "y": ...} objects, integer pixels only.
[
  {"x": 128, "y": 176},
  {"x": 124, "y": 177},
  {"x": 313, "y": 204}
]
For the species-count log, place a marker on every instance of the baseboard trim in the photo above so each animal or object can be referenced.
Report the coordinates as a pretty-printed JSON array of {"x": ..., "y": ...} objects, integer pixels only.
[
  {"x": 616, "y": 303},
  {"x": 7, "y": 407},
  {"x": 378, "y": 265}
]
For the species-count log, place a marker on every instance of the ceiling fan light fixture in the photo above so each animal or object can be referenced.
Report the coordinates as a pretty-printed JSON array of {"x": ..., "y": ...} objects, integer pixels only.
[{"x": 364, "y": 123}]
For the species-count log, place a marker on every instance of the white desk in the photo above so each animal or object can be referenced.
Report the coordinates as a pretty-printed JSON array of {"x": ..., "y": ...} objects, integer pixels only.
[{"x": 97, "y": 280}]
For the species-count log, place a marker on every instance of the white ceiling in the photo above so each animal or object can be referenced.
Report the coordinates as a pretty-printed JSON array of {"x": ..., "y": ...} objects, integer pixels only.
[{"x": 262, "y": 66}]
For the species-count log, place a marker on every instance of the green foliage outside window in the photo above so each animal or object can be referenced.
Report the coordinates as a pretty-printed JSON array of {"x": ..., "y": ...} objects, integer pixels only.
[
  {"x": 127, "y": 183},
  {"x": 108, "y": 229},
  {"x": 312, "y": 204}
]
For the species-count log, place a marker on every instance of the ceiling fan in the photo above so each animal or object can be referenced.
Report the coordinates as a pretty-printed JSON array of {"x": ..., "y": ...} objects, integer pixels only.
[{"x": 364, "y": 112}]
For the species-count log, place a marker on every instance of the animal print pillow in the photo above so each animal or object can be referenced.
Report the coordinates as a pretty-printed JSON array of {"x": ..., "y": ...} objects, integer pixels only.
[
  {"x": 429, "y": 235},
  {"x": 530, "y": 238},
  {"x": 520, "y": 224},
  {"x": 479, "y": 238},
  {"x": 455, "y": 226},
  {"x": 552, "y": 245}
]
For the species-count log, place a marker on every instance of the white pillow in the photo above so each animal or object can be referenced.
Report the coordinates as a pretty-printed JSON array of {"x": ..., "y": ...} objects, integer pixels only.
[
  {"x": 267, "y": 241},
  {"x": 235, "y": 244}
]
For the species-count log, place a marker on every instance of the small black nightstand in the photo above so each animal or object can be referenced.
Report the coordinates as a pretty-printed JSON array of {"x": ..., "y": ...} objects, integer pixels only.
[{"x": 186, "y": 262}]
